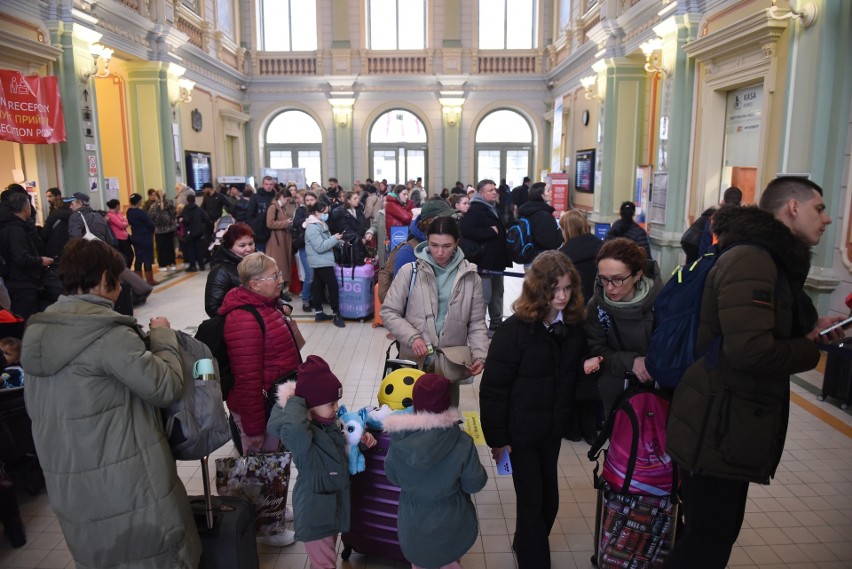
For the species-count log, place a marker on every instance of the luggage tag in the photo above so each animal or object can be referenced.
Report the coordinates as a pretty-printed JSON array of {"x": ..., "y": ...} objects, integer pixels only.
[{"x": 504, "y": 464}]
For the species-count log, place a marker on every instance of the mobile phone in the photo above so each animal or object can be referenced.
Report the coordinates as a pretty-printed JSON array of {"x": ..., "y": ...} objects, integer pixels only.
[{"x": 841, "y": 324}]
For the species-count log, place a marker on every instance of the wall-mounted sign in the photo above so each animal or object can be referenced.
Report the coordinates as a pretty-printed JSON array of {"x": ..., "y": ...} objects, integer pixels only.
[
  {"x": 584, "y": 178},
  {"x": 197, "y": 122},
  {"x": 30, "y": 109}
]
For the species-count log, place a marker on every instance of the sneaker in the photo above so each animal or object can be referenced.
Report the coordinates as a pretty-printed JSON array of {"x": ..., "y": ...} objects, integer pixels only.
[
  {"x": 286, "y": 296},
  {"x": 306, "y": 307},
  {"x": 288, "y": 514},
  {"x": 283, "y": 539},
  {"x": 322, "y": 317},
  {"x": 337, "y": 320},
  {"x": 191, "y": 269}
]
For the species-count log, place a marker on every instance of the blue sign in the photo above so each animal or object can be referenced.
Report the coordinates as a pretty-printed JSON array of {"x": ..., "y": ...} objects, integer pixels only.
[
  {"x": 398, "y": 234},
  {"x": 601, "y": 229}
]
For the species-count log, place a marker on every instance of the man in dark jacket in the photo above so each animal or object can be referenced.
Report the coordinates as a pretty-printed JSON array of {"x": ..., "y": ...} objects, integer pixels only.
[
  {"x": 698, "y": 238},
  {"x": 543, "y": 228},
  {"x": 521, "y": 194},
  {"x": 18, "y": 246},
  {"x": 728, "y": 424},
  {"x": 257, "y": 206},
  {"x": 54, "y": 234},
  {"x": 194, "y": 221},
  {"x": 96, "y": 222},
  {"x": 482, "y": 226}
]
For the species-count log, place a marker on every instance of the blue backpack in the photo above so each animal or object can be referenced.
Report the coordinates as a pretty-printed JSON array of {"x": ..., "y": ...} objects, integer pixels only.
[
  {"x": 520, "y": 243},
  {"x": 677, "y": 313}
]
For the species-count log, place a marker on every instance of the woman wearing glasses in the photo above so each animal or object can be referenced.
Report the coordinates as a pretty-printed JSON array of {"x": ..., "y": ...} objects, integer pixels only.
[
  {"x": 257, "y": 359},
  {"x": 619, "y": 317}
]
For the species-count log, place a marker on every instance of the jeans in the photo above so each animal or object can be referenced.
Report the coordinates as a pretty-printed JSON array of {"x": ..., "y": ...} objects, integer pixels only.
[
  {"x": 492, "y": 294},
  {"x": 309, "y": 276}
]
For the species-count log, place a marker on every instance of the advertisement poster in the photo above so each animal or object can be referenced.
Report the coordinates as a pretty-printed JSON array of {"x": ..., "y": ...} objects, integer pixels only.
[
  {"x": 30, "y": 109},
  {"x": 559, "y": 191}
]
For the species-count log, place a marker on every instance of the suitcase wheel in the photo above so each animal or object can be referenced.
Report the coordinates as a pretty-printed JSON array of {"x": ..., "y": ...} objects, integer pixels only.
[
  {"x": 844, "y": 405},
  {"x": 346, "y": 553},
  {"x": 820, "y": 397},
  {"x": 594, "y": 559}
]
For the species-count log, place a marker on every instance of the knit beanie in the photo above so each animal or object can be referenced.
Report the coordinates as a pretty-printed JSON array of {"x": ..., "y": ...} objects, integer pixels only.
[
  {"x": 435, "y": 208},
  {"x": 431, "y": 394},
  {"x": 316, "y": 384}
]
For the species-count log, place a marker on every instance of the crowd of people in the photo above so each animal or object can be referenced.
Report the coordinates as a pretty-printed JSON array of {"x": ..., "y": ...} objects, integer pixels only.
[{"x": 551, "y": 370}]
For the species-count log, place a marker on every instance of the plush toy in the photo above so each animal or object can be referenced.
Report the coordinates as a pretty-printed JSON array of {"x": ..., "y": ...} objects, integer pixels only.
[
  {"x": 397, "y": 387},
  {"x": 376, "y": 416},
  {"x": 354, "y": 427}
]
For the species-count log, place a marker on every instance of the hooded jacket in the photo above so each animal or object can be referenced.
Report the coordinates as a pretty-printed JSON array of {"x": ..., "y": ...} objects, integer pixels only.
[
  {"x": 18, "y": 245},
  {"x": 525, "y": 392},
  {"x": 321, "y": 492},
  {"x": 94, "y": 393},
  {"x": 476, "y": 225},
  {"x": 257, "y": 360},
  {"x": 54, "y": 234},
  {"x": 582, "y": 251},
  {"x": 630, "y": 230},
  {"x": 396, "y": 213},
  {"x": 545, "y": 231},
  {"x": 222, "y": 278},
  {"x": 194, "y": 220},
  {"x": 437, "y": 468},
  {"x": 731, "y": 421},
  {"x": 319, "y": 243},
  {"x": 621, "y": 333},
  {"x": 464, "y": 323}
]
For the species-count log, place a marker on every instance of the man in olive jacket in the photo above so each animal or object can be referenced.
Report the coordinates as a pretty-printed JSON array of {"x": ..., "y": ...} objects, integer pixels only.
[{"x": 728, "y": 424}]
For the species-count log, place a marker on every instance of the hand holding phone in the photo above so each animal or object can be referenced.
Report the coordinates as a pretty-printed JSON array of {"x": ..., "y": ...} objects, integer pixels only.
[{"x": 835, "y": 326}]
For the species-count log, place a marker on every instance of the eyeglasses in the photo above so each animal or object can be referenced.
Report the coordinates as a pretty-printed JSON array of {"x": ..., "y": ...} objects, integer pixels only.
[
  {"x": 273, "y": 277},
  {"x": 614, "y": 281}
]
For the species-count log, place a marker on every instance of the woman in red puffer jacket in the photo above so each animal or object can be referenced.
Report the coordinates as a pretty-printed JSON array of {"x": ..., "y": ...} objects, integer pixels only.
[
  {"x": 257, "y": 360},
  {"x": 398, "y": 208}
]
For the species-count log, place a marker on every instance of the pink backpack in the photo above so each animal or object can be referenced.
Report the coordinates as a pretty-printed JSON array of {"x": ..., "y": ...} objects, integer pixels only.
[{"x": 636, "y": 461}]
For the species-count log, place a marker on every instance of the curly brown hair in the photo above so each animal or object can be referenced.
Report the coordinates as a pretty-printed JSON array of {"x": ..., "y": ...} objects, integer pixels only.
[
  {"x": 623, "y": 249},
  {"x": 537, "y": 291}
]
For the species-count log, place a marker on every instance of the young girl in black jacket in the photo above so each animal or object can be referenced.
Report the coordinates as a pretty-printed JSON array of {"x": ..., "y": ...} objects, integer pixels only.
[{"x": 525, "y": 395}]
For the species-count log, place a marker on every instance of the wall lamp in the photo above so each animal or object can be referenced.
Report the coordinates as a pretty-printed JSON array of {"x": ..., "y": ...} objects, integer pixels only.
[
  {"x": 807, "y": 15},
  {"x": 451, "y": 107},
  {"x": 101, "y": 56},
  {"x": 185, "y": 87},
  {"x": 653, "y": 51},
  {"x": 588, "y": 82},
  {"x": 341, "y": 108}
]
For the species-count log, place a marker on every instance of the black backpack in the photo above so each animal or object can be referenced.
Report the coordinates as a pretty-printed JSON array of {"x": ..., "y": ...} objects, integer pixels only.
[
  {"x": 212, "y": 333},
  {"x": 519, "y": 242}
]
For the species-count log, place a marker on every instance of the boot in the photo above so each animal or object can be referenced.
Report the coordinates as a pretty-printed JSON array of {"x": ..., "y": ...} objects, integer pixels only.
[
  {"x": 139, "y": 273},
  {"x": 149, "y": 278}
]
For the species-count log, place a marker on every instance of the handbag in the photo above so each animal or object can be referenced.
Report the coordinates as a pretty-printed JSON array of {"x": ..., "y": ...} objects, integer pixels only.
[
  {"x": 452, "y": 362},
  {"x": 262, "y": 479},
  {"x": 294, "y": 330}
]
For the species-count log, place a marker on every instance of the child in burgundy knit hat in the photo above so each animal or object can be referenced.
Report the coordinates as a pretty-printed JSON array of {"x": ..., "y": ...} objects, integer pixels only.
[
  {"x": 308, "y": 427},
  {"x": 436, "y": 466}
]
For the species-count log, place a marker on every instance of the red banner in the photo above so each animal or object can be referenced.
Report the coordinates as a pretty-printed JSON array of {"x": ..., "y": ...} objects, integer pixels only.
[
  {"x": 30, "y": 109},
  {"x": 559, "y": 191}
]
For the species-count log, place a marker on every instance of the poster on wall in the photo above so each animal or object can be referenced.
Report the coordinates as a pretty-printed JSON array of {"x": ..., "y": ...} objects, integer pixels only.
[
  {"x": 584, "y": 162},
  {"x": 658, "y": 197},
  {"x": 559, "y": 191},
  {"x": 30, "y": 109}
]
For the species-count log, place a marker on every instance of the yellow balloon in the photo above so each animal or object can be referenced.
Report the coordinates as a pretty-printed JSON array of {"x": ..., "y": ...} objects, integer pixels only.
[{"x": 397, "y": 388}]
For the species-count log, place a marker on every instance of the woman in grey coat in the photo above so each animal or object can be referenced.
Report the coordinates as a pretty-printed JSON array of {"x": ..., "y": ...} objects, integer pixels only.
[{"x": 95, "y": 386}]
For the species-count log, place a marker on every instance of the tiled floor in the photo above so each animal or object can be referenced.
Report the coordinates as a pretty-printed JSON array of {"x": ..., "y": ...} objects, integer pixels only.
[{"x": 803, "y": 520}]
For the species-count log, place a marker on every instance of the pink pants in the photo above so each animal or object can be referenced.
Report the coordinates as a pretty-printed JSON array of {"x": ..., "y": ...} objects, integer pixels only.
[
  {"x": 322, "y": 552},
  {"x": 453, "y": 565},
  {"x": 270, "y": 443}
]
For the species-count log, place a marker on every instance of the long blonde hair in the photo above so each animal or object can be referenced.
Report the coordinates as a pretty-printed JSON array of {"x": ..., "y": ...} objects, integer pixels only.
[{"x": 573, "y": 223}]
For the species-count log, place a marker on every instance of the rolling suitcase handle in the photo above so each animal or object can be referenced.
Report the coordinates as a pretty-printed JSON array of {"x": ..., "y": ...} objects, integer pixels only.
[{"x": 208, "y": 499}]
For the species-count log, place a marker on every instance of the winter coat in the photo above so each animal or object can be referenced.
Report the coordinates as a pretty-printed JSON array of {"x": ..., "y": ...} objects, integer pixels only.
[
  {"x": 691, "y": 239},
  {"x": 397, "y": 214},
  {"x": 241, "y": 209},
  {"x": 94, "y": 393},
  {"x": 141, "y": 225},
  {"x": 221, "y": 278},
  {"x": 582, "y": 251},
  {"x": 464, "y": 324},
  {"x": 319, "y": 243},
  {"x": 97, "y": 225},
  {"x": 279, "y": 246},
  {"x": 379, "y": 229},
  {"x": 163, "y": 216},
  {"x": 476, "y": 226},
  {"x": 620, "y": 334},
  {"x": 372, "y": 205},
  {"x": 118, "y": 225},
  {"x": 258, "y": 204},
  {"x": 632, "y": 231},
  {"x": 18, "y": 244},
  {"x": 214, "y": 204},
  {"x": 194, "y": 220},
  {"x": 545, "y": 231},
  {"x": 731, "y": 421},
  {"x": 342, "y": 219},
  {"x": 54, "y": 234},
  {"x": 321, "y": 492},
  {"x": 437, "y": 468},
  {"x": 256, "y": 360},
  {"x": 526, "y": 388}
]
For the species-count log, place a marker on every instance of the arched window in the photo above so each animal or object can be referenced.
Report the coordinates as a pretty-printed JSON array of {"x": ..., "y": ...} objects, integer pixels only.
[
  {"x": 508, "y": 24},
  {"x": 396, "y": 24},
  {"x": 287, "y": 25},
  {"x": 504, "y": 147},
  {"x": 398, "y": 144},
  {"x": 294, "y": 140}
]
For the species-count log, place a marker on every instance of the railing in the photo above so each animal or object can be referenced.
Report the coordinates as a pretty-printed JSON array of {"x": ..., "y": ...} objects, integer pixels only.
[
  {"x": 396, "y": 64},
  {"x": 286, "y": 64},
  {"x": 229, "y": 58},
  {"x": 507, "y": 63},
  {"x": 194, "y": 32}
]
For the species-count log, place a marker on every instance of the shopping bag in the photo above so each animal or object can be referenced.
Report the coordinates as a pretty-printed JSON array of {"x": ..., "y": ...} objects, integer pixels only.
[{"x": 262, "y": 479}]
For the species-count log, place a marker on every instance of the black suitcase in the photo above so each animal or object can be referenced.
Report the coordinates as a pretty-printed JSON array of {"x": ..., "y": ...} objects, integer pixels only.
[
  {"x": 124, "y": 302},
  {"x": 837, "y": 379},
  {"x": 226, "y": 527}
]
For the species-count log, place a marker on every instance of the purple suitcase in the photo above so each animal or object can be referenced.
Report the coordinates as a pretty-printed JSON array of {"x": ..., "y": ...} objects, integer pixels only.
[
  {"x": 356, "y": 290},
  {"x": 375, "y": 503}
]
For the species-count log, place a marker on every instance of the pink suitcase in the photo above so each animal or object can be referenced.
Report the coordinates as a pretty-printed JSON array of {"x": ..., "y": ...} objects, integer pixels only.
[
  {"x": 375, "y": 503},
  {"x": 356, "y": 290}
]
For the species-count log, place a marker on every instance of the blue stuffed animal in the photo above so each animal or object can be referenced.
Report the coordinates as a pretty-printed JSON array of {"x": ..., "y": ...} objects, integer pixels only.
[{"x": 354, "y": 426}]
